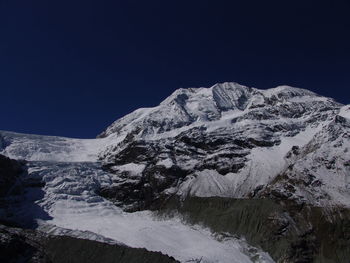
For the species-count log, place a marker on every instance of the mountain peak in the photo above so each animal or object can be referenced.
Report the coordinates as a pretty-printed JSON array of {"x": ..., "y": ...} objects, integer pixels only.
[
  {"x": 288, "y": 92},
  {"x": 187, "y": 106},
  {"x": 223, "y": 96}
]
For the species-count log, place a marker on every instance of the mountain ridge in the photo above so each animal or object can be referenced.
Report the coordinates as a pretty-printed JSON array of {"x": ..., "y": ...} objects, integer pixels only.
[{"x": 225, "y": 96}]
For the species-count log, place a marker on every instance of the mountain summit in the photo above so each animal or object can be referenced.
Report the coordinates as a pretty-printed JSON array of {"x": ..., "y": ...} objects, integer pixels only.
[{"x": 188, "y": 106}]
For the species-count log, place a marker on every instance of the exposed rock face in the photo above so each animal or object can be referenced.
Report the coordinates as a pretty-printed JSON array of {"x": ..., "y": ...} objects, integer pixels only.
[
  {"x": 9, "y": 173},
  {"x": 68, "y": 249},
  {"x": 290, "y": 232},
  {"x": 230, "y": 141},
  {"x": 18, "y": 245},
  {"x": 317, "y": 169}
]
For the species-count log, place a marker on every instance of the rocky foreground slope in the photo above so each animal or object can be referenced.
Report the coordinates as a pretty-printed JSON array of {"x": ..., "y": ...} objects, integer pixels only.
[{"x": 217, "y": 174}]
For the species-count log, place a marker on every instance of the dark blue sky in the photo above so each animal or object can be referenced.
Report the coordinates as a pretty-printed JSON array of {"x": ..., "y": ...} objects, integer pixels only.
[{"x": 72, "y": 67}]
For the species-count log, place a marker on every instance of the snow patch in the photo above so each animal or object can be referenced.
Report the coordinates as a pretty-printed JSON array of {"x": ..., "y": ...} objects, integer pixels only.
[
  {"x": 345, "y": 112},
  {"x": 52, "y": 148}
]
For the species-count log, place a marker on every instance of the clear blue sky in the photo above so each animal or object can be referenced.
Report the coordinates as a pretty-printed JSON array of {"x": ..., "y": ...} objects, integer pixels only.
[{"x": 72, "y": 67}]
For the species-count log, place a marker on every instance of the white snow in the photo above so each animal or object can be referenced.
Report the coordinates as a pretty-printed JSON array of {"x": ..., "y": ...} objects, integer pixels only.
[
  {"x": 142, "y": 229},
  {"x": 345, "y": 112},
  {"x": 134, "y": 168},
  {"x": 284, "y": 89},
  {"x": 52, "y": 148},
  {"x": 166, "y": 162},
  {"x": 206, "y": 183}
]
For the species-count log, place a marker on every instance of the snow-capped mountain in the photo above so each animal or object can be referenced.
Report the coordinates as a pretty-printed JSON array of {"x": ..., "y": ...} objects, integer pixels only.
[
  {"x": 231, "y": 141},
  {"x": 227, "y": 143}
]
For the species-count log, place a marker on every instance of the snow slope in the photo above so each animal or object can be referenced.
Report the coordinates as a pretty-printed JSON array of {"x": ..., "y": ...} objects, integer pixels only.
[{"x": 51, "y": 148}]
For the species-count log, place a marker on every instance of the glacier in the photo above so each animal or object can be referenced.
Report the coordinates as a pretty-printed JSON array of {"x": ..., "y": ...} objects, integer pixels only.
[{"x": 72, "y": 173}]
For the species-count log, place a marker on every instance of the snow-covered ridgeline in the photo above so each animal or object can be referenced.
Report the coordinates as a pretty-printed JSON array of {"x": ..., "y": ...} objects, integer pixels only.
[{"x": 195, "y": 105}]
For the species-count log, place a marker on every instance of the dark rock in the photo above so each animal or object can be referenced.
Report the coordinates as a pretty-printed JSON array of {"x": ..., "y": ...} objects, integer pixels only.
[
  {"x": 9, "y": 173},
  {"x": 19, "y": 245},
  {"x": 67, "y": 249},
  {"x": 288, "y": 231}
]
